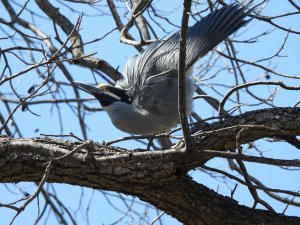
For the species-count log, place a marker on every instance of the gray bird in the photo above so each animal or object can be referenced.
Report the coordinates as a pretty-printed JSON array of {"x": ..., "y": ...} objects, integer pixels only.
[{"x": 145, "y": 101}]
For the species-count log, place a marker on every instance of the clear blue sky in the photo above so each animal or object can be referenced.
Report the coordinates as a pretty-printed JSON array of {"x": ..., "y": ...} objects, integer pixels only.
[{"x": 101, "y": 129}]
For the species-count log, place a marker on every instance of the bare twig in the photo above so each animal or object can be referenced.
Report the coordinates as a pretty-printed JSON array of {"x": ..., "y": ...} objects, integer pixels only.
[{"x": 181, "y": 74}]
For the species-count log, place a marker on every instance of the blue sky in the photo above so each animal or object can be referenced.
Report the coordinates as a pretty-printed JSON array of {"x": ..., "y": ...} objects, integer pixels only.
[{"x": 101, "y": 129}]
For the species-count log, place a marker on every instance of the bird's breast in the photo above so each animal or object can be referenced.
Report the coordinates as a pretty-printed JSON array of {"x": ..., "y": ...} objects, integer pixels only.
[{"x": 133, "y": 120}]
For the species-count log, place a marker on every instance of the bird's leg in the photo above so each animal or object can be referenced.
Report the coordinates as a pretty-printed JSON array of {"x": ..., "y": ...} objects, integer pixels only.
[
  {"x": 150, "y": 143},
  {"x": 178, "y": 145},
  {"x": 164, "y": 142}
]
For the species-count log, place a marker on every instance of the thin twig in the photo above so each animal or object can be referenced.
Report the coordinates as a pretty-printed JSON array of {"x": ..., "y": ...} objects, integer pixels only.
[{"x": 181, "y": 74}]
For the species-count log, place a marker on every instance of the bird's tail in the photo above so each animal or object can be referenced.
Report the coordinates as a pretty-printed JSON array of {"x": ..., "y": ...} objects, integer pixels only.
[{"x": 213, "y": 29}]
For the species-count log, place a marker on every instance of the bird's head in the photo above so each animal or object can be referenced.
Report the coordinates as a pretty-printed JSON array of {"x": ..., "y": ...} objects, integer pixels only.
[{"x": 105, "y": 93}]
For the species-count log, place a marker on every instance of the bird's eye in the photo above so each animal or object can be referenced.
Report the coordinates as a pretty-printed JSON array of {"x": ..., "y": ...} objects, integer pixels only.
[{"x": 104, "y": 87}]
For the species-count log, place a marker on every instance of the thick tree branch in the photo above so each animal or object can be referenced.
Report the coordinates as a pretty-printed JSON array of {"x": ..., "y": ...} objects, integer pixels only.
[
  {"x": 197, "y": 204},
  {"x": 157, "y": 177},
  {"x": 258, "y": 124}
]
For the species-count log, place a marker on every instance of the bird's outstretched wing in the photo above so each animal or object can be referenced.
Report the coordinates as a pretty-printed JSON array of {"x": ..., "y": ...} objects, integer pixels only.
[{"x": 148, "y": 68}]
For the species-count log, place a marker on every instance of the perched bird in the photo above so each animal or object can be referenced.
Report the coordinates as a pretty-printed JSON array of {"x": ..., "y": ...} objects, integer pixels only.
[{"x": 145, "y": 101}]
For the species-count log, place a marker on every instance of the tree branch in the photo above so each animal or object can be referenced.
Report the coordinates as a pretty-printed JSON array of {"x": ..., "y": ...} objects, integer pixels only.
[
  {"x": 157, "y": 177},
  {"x": 77, "y": 51}
]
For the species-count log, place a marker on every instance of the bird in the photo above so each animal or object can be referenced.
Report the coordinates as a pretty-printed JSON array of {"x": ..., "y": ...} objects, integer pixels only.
[{"x": 145, "y": 100}]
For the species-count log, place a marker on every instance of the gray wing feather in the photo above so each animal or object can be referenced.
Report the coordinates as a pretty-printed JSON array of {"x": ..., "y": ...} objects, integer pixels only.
[
  {"x": 147, "y": 68},
  {"x": 158, "y": 94}
]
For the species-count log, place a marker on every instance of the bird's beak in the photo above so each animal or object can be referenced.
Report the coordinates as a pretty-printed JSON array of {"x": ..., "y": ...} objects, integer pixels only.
[
  {"x": 106, "y": 94},
  {"x": 88, "y": 88}
]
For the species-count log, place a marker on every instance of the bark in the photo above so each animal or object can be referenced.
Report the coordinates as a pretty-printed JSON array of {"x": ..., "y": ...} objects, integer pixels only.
[{"x": 159, "y": 177}]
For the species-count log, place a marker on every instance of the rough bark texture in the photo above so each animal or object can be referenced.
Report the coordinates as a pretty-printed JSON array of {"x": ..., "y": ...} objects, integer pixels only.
[{"x": 156, "y": 177}]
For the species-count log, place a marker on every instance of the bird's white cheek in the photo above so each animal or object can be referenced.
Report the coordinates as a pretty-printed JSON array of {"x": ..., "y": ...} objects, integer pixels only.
[{"x": 113, "y": 96}]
